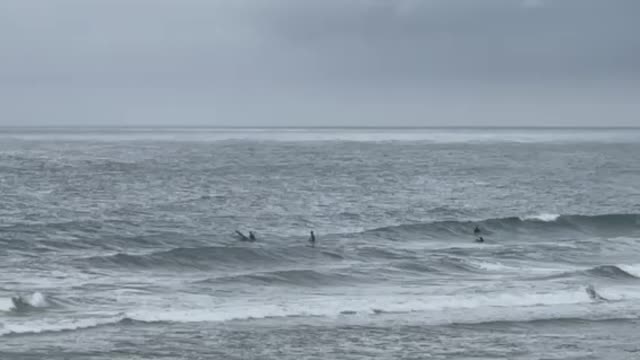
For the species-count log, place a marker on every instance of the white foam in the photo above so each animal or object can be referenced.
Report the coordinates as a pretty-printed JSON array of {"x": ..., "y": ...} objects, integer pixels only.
[
  {"x": 519, "y": 268},
  {"x": 55, "y": 325},
  {"x": 36, "y": 299},
  {"x": 414, "y": 304},
  {"x": 488, "y": 266},
  {"x": 541, "y": 217},
  {"x": 434, "y": 308},
  {"x": 633, "y": 269},
  {"x": 6, "y": 304}
]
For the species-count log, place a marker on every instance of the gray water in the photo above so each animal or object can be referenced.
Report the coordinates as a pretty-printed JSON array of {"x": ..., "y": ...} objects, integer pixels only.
[{"x": 120, "y": 243}]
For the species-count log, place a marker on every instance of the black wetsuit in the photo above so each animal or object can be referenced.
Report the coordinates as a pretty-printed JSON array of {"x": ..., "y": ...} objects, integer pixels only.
[
  {"x": 593, "y": 295},
  {"x": 243, "y": 237},
  {"x": 312, "y": 239}
]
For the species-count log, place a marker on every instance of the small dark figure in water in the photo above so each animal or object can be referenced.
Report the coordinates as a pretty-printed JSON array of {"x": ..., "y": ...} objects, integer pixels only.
[
  {"x": 19, "y": 304},
  {"x": 480, "y": 240},
  {"x": 476, "y": 231},
  {"x": 312, "y": 239},
  {"x": 593, "y": 295},
  {"x": 243, "y": 237}
]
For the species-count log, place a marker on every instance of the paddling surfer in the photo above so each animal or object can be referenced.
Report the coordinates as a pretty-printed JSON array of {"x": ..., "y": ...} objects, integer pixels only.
[{"x": 244, "y": 237}]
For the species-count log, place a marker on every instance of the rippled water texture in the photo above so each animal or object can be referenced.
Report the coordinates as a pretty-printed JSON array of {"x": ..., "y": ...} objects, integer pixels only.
[{"x": 119, "y": 244}]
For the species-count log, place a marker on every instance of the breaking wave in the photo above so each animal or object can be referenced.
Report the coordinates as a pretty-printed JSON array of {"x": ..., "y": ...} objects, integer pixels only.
[
  {"x": 429, "y": 309},
  {"x": 535, "y": 225}
]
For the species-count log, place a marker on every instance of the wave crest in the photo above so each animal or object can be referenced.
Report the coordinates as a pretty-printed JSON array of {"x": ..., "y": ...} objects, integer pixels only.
[
  {"x": 541, "y": 217},
  {"x": 611, "y": 272},
  {"x": 205, "y": 258},
  {"x": 535, "y": 226}
]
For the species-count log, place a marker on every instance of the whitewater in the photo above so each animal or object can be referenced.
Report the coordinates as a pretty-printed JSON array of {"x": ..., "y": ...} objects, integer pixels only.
[{"x": 119, "y": 243}]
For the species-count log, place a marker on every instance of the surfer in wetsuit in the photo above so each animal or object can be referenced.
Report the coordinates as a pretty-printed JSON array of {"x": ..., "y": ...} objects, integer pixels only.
[
  {"x": 593, "y": 295},
  {"x": 243, "y": 237},
  {"x": 476, "y": 232},
  {"x": 312, "y": 239},
  {"x": 19, "y": 304}
]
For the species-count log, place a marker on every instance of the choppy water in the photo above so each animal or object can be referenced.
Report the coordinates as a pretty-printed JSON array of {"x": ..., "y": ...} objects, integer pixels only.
[{"x": 120, "y": 244}]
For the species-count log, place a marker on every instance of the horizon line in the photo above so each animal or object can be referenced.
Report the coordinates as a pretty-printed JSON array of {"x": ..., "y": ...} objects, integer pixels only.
[{"x": 312, "y": 127}]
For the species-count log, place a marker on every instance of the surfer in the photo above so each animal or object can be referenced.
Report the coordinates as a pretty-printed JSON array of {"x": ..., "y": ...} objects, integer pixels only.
[
  {"x": 244, "y": 237},
  {"x": 476, "y": 232},
  {"x": 19, "y": 304},
  {"x": 593, "y": 295},
  {"x": 312, "y": 239}
]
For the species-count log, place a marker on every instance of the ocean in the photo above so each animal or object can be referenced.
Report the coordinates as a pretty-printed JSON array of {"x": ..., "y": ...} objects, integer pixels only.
[{"x": 120, "y": 244}]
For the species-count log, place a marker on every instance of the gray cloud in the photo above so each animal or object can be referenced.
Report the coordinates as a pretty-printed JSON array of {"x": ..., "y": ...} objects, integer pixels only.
[{"x": 332, "y": 62}]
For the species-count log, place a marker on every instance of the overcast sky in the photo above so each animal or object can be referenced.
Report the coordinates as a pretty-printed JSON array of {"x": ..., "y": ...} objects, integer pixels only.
[{"x": 320, "y": 62}]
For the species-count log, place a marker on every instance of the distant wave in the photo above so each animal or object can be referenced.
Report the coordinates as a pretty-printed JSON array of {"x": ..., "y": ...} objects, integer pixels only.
[
  {"x": 261, "y": 259},
  {"x": 89, "y": 234},
  {"x": 208, "y": 257},
  {"x": 452, "y": 265},
  {"x": 533, "y": 224},
  {"x": 611, "y": 272},
  {"x": 608, "y": 272},
  {"x": 303, "y": 277},
  {"x": 537, "y": 231}
]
